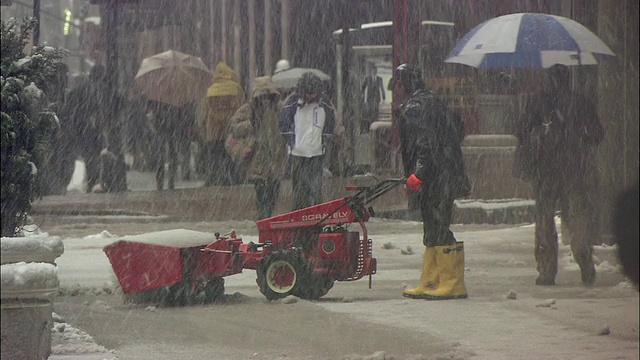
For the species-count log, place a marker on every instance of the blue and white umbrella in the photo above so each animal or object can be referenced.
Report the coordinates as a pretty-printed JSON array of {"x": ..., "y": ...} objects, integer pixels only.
[{"x": 529, "y": 40}]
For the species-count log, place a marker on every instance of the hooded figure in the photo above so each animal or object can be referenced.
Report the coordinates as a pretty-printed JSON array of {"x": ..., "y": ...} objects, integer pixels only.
[
  {"x": 307, "y": 124},
  {"x": 256, "y": 124},
  {"x": 87, "y": 121},
  {"x": 430, "y": 136},
  {"x": 557, "y": 135},
  {"x": 224, "y": 97}
]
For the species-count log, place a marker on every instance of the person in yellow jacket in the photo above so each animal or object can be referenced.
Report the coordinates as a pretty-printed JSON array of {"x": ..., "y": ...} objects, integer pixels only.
[
  {"x": 263, "y": 150},
  {"x": 224, "y": 97}
]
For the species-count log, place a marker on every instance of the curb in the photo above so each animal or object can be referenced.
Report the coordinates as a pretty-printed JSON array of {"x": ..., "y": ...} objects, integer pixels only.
[{"x": 492, "y": 212}]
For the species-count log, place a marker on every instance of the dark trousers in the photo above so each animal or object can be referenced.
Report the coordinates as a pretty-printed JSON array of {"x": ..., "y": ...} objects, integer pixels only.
[
  {"x": 92, "y": 167},
  {"x": 575, "y": 207},
  {"x": 306, "y": 180},
  {"x": 267, "y": 192},
  {"x": 218, "y": 164},
  {"x": 371, "y": 112},
  {"x": 437, "y": 210},
  {"x": 90, "y": 148},
  {"x": 184, "y": 152},
  {"x": 114, "y": 170},
  {"x": 165, "y": 144}
]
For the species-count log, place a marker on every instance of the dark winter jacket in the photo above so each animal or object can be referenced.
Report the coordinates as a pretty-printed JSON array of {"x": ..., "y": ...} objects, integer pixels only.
[
  {"x": 555, "y": 136},
  {"x": 373, "y": 90},
  {"x": 430, "y": 135},
  {"x": 86, "y": 114}
]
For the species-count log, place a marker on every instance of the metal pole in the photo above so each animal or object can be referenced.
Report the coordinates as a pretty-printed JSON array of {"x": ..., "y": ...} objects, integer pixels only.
[
  {"x": 400, "y": 24},
  {"x": 285, "y": 24},
  {"x": 212, "y": 33},
  {"x": 223, "y": 30},
  {"x": 348, "y": 117},
  {"x": 36, "y": 29},
  {"x": 268, "y": 38},
  {"x": 237, "y": 40},
  {"x": 339, "y": 83},
  {"x": 84, "y": 9},
  {"x": 252, "y": 40},
  {"x": 119, "y": 180}
]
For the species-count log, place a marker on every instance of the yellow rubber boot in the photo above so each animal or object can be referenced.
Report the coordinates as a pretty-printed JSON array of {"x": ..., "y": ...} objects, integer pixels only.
[
  {"x": 428, "y": 278},
  {"x": 450, "y": 261}
]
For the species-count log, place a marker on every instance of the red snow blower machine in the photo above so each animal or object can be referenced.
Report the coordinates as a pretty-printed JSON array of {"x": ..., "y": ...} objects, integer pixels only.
[{"x": 300, "y": 253}]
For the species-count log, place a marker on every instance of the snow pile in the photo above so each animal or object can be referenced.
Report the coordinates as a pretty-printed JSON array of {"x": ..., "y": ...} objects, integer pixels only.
[
  {"x": 611, "y": 266},
  {"x": 108, "y": 288},
  {"x": 34, "y": 243},
  {"x": 28, "y": 276},
  {"x": 68, "y": 340},
  {"x": 175, "y": 237},
  {"x": 103, "y": 235},
  {"x": 493, "y": 204}
]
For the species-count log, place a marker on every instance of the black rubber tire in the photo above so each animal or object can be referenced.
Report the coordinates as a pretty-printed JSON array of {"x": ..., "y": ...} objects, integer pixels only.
[
  {"x": 176, "y": 295},
  {"x": 279, "y": 274},
  {"x": 166, "y": 296},
  {"x": 213, "y": 290},
  {"x": 313, "y": 287}
]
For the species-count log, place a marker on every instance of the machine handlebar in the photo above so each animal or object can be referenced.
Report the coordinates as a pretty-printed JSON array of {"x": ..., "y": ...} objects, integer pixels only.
[
  {"x": 369, "y": 193},
  {"x": 366, "y": 194}
]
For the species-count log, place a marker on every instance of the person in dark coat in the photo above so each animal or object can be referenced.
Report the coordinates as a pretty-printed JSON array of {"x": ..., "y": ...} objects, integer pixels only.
[
  {"x": 430, "y": 145},
  {"x": 87, "y": 120},
  {"x": 373, "y": 94},
  {"x": 167, "y": 123},
  {"x": 58, "y": 167},
  {"x": 556, "y": 135}
]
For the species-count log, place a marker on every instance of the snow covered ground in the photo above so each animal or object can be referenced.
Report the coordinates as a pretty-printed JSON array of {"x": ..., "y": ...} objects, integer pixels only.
[
  {"x": 84, "y": 269},
  {"x": 505, "y": 317}
]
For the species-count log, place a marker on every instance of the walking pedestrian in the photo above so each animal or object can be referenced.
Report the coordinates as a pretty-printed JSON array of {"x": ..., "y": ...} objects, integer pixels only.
[
  {"x": 87, "y": 120},
  {"x": 58, "y": 164},
  {"x": 556, "y": 136},
  {"x": 256, "y": 123},
  {"x": 430, "y": 145},
  {"x": 372, "y": 93},
  {"x": 167, "y": 121},
  {"x": 307, "y": 125},
  {"x": 223, "y": 99}
]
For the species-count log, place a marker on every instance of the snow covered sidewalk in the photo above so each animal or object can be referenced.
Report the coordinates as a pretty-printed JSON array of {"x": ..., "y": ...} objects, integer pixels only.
[{"x": 499, "y": 264}]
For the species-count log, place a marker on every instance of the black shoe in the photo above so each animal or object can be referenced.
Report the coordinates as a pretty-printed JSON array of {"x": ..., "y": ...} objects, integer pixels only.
[
  {"x": 589, "y": 276},
  {"x": 545, "y": 280}
]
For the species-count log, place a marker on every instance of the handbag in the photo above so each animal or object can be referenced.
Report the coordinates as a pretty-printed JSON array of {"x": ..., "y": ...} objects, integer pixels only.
[{"x": 239, "y": 149}]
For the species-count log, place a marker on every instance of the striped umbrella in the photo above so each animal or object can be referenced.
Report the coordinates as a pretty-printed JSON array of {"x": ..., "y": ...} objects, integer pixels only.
[{"x": 529, "y": 40}]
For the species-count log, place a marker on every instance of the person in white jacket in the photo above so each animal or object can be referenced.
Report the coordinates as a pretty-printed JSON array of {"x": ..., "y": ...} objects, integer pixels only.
[{"x": 307, "y": 124}]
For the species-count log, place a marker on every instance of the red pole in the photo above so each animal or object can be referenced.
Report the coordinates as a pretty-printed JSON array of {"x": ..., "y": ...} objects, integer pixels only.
[
  {"x": 405, "y": 31},
  {"x": 400, "y": 55}
]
